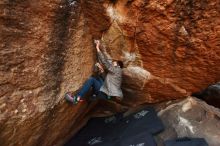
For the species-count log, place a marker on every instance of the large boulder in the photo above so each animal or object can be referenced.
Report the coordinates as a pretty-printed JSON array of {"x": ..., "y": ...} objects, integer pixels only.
[
  {"x": 171, "y": 47},
  {"x": 46, "y": 48},
  {"x": 190, "y": 118}
]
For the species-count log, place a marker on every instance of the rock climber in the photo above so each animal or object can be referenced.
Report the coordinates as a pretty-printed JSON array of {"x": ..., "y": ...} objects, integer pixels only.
[{"x": 102, "y": 88}]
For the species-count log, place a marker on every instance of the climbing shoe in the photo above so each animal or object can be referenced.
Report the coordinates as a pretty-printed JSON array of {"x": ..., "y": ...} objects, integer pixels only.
[{"x": 72, "y": 99}]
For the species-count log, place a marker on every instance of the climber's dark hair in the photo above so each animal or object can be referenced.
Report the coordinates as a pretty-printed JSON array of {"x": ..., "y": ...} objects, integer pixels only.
[{"x": 120, "y": 63}]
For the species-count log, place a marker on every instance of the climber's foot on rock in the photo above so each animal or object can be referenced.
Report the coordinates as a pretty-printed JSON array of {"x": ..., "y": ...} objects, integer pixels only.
[{"x": 70, "y": 98}]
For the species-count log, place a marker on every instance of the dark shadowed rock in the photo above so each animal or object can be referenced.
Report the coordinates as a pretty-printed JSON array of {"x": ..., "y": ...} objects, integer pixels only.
[{"x": 211, "y": 95}]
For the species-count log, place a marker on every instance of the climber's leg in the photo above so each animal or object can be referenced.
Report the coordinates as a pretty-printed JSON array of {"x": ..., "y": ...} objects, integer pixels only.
[
  {"x": 98, "y": 85},
  {"x": 95, "y": 83},
  {"x": 92, "y": 82}
]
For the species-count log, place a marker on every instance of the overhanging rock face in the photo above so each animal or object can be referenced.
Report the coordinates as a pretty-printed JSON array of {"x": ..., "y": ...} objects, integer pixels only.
[{"x": 170, "y": 48}]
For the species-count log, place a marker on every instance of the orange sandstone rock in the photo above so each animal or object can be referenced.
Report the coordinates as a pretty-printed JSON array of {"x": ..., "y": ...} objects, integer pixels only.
[{"x": 170, "y": 48}]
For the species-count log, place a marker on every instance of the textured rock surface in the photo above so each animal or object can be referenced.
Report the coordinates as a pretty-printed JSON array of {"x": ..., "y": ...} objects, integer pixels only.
[
  {"x": 173, "y": 46},
  {"x": 171, "y": 49},
  {"x": 42, "y": 54},
  {"x": 191, "y": 118}
]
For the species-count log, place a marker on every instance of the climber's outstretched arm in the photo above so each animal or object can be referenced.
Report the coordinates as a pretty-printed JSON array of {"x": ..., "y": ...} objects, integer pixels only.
[{"x": 103, "y": 59}]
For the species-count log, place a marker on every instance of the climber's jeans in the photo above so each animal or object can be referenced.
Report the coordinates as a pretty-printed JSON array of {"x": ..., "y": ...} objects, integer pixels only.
[{"x": 92, "y": 82}]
